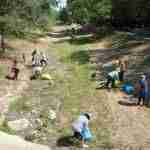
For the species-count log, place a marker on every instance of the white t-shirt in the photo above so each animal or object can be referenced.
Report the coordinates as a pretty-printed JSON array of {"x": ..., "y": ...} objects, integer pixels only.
[
  {"x": 37, "y": 70},
  {"x": 114, "y": 75},
  {"x": 80, "y": 123}
]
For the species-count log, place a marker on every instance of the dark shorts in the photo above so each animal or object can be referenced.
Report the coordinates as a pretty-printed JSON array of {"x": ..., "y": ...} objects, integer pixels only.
[
  {"x": 78, "y": 135},
  {"x": 121, "y": 75}
]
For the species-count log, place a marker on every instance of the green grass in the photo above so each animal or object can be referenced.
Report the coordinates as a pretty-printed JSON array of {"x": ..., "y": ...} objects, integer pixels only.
[
  {"x": 5, "y": 128},
  {"x": 3, "y": 70}
]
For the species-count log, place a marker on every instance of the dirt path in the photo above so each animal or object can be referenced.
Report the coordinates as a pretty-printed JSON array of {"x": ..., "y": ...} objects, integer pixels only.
[
  {"x": 14, "y": 89},
  {"x": 131, "y": 125}
]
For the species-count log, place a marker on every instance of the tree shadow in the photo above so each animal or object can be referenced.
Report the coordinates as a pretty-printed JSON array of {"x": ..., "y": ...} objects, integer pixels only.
[
  {"x": 127, "y": 103},
  {"x": 97, "y": 55},
  {"x": 141, "y": 34},
  {"x": 67, "y": 141},
  {"x": 105, "y": 55},
  {"x": 82, "y": 57}
]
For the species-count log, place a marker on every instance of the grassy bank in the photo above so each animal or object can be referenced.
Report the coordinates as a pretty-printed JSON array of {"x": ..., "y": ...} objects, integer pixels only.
[{"x": 80, "y": 94}]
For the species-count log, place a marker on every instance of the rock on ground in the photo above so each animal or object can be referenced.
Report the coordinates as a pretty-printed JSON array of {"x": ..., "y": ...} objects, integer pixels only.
[
  {"x": 19, "y": 125},
  {"x": 10, "y": 142}
]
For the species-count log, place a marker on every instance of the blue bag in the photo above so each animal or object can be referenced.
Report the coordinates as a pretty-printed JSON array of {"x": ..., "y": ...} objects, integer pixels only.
[
  {"x": 86, "y": 134},
  {"x": 128, "y": 88}
]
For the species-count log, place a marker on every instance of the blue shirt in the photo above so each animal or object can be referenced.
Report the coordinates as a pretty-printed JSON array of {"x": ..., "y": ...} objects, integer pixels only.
[{"x": 144, "y": 88}]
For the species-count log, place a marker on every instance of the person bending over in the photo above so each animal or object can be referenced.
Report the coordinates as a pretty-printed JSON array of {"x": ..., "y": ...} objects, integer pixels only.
[
  {"x": 112, "y": 77},
  {"x": 79, "y": 125}
]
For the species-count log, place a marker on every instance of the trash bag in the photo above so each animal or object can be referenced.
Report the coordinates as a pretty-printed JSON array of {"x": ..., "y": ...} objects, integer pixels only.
[
  {"x": 118, "y": 83},
  {"x": 128, "y": 88},
  {"x": 86, "y": 134},
  {"x": 46, "y": 76}
]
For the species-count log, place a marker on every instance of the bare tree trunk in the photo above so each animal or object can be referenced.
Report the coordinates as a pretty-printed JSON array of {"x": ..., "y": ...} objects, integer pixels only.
[{"x": 2, "y": 41}]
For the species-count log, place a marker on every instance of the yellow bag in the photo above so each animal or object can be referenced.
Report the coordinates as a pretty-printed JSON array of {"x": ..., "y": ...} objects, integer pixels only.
[
  {"x": 46, "y": 76},
  {"x": 117, "y": 82}
]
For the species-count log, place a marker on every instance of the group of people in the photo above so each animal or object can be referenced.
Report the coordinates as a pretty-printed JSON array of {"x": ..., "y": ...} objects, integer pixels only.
[
  {"x": 141, "y": 87},
  {"x": 39, "y": 60},
  {"x": 80, "y": 125},
  {"x": 117, "y": 74}
]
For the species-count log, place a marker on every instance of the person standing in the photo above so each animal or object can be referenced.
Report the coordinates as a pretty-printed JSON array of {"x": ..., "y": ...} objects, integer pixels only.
[
  {"x": 35, "y": 59},
  {"x": 14, "y": 71},
  {"x": 123, "y": 68},
  {"x": 142, "y": 91},
  {"x": 24, "y": 58}
]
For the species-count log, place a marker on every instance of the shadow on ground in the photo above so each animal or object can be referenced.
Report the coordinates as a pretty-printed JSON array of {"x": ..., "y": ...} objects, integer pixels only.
[
  {"x": 97, "y": 55},
  {"x": 126, "y": 103},
  {"x": 82, "y": 57},
  {"x": 67, "y": 141}
]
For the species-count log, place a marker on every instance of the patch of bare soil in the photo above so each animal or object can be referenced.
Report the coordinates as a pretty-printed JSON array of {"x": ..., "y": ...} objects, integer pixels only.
[
  {"x": 10, "y": 89},
  {"x": 131, "y": 123}
]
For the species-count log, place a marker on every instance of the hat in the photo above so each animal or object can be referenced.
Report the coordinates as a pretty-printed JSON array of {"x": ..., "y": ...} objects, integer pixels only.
[{"x": 88, "y": 115}]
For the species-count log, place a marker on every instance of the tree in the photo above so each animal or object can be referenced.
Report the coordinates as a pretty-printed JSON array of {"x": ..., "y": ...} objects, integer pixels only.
[
  {"x": 16, "y": 16},
  {"x": 89, "y": 11},
  {"x": 63, "y": 15},
  {"x": 118, "y": 12}
]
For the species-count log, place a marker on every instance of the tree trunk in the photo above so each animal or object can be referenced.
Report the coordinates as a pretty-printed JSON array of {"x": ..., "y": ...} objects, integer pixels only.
[{"x": 2, "y": 41}]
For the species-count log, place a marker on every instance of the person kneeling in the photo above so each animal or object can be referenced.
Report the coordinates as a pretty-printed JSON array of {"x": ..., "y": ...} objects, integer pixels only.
[{"x": 14, "y": 71}]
